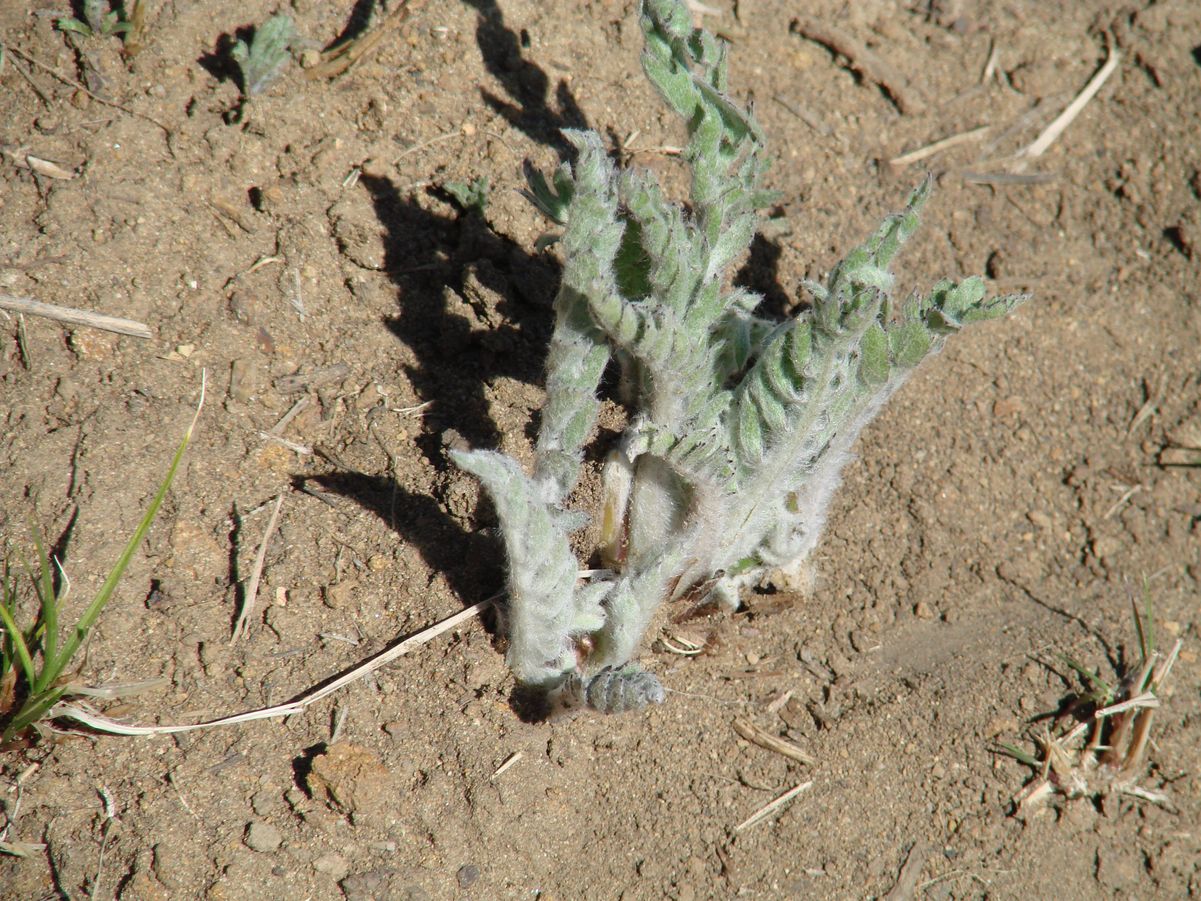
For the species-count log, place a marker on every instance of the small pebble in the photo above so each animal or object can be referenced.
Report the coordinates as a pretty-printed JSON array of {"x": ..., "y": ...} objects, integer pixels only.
[
  {"x": 468, "y": 873},
  {"x": 333, "y": 865},
  {"x": 263, "y": 837},
  {"x": 1039, "y": 519}
]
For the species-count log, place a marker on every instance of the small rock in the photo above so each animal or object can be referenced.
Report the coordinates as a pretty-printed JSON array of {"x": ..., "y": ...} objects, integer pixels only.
[
  {"x": 242, "y": 306},
  {"x": 144, "y": 885},
  {"x": 1105, "y": 548},
  {"x": 266, "y": 801},
  {"x": 1007, "y": 407},
  {"x": 245, "y": 381},
  {"x": 263, "y": 837},
  {"x": 369, "y": 397},
  {"x": 91, "y": 344},
  {"x": 194, "y": 551},
  {"x": 1117, "y": 868},
  {"x": 1039, "y": 519},
  {"x": 467, "y": 875},
  {"x": 333, "y": 865},
  {"x": 382, "y": 883},
  {"x": 353, "y": 781},
  {"x": 1004, "y": 724},
  {"x": 341, "y": 596},
  {"x": 922, "y": 610}
]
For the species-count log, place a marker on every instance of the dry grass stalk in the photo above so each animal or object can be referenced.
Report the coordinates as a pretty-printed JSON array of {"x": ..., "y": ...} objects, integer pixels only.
[
  {"x": 509, "y": 762},
  {"x": 242, "y": 626},
  {"x": 1064, "y": 119},
  {"x": 764, "y": 739},
  {"x": 772, "y": 807},
  {"x": 93, "y": 720},
  {"x": 946, "y": 143}
]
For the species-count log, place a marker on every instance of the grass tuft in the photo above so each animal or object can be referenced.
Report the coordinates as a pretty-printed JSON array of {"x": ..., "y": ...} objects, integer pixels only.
[
  {"x": 1105, "y": 751},
  {"x": 35, "y": 659}
]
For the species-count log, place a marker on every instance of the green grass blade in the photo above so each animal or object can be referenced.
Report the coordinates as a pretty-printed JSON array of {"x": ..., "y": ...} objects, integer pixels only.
[
  {"x": 44, "y": 583},
  {"x": 1098, "y": 686},
  {"x": 54, "y": 666},
  {"x": 18, "y": 642},
  {"x": 1020, "y": 755},
  {"x": 1144, "y": 624}
]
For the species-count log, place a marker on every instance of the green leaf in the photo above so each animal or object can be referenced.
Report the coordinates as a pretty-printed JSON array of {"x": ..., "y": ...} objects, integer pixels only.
[
  {"x": 750, "y": 438},
  {"x": 74, "y": 26},
  {"x": 908, "y": 343},
  {"x": 551, "y": 202},
  {"x": 469, "y": 196},
  {"x": 873, "y": 356}
]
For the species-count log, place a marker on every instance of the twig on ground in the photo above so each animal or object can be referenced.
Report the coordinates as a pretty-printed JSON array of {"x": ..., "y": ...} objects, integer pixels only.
[
  {"x": 1073, "y": 109},
  {"x": 862, "y": 60},
  {"x": 416, "y": 410},
  {"x": 303, "y": 449},
  {"x": 438, "y": 139},
  {"x": 1008, "y": 178},
  {"x": 990, "y": 67},
  {"x": 778, "y": 704},
  {"x": 954, "y": 140},
  {"x": 1148, "y": 409},
  {"x": 910, "y": 871},
  {"x": 509, "y": 761},
  {"x": 339, "y": 721},
  {"x": 242, "y": 626},
  {"x": 805, "y": 115},
  {"x": 119, "y": 689},
  {"x": 72, "y": 316},
  {"x": 261, "y": 261},
  {"x": 326, "y": 498},
  {"x": 34, "y": 86},
  {"x": 182, "y": 800},
  {"x": 342, "y": 57},
  {"x": 18, "y": 849},
  {"x": 110, "y": 817},
  {"x": 297, "y": 298},
  {"x": 772, "y": 807},
  {"x": 23, "y": 159},
  {"x": 34, "y": 61},
  {"x": 763, "y": 739},
  {"x": 1019, "y": 124},
  {"x": 303, "y": 381},
  {"x": 1121, "y": 502},
  {"x": 23, "y": 343},
  {"x": 684, "y": 647},
  {"x": 293, "y": 411}
]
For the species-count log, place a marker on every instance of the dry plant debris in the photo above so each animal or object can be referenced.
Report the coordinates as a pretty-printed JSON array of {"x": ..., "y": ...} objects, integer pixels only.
[{"x": 1105, "y": 753}]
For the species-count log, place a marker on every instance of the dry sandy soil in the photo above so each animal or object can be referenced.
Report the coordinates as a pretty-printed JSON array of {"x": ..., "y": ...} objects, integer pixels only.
[{"x": 1003, "y": 511}]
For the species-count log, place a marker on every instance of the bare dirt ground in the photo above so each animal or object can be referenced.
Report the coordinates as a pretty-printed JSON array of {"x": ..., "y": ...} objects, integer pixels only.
[{"x": 1003, "y": 510}]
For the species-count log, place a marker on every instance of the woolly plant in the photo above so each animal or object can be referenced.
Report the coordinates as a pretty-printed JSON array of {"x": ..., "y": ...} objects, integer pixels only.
[{"x": 739, "y": 424}]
